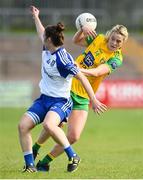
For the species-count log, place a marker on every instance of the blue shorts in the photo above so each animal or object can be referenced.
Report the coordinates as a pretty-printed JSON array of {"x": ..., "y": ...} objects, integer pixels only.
[{"x": 43, "y": 104}]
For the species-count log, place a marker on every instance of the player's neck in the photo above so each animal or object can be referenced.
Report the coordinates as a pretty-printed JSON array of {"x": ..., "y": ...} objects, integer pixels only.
[{"x": 53, "y": 49}]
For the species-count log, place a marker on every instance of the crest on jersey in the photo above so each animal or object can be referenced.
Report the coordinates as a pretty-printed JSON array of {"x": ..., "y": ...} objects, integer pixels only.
[
  {"x": 114, "y": 65},
  {"x": 51, "y": 62},
  {"x": 89, "y": 59}
]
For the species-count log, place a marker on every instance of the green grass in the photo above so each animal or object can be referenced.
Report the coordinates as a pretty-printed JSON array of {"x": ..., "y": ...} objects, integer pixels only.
[{"x": 111, "y": 147}]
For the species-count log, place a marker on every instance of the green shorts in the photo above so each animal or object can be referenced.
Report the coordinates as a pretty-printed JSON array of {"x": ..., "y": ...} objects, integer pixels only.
[{"x": 79, "y": 103}]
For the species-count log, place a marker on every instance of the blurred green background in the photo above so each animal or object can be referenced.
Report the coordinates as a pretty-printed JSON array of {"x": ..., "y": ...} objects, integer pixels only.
[
  {"x": 110, "y": 147},
  {"x": 114, "y": 144}
]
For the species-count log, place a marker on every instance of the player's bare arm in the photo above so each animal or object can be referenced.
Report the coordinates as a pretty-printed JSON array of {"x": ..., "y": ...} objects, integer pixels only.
[
  {"x": 39, "y": 27},
  {"x": 80, "y": 36},
  {"x": 97, "y": 106},
  {"x": 102, "y": 69}
]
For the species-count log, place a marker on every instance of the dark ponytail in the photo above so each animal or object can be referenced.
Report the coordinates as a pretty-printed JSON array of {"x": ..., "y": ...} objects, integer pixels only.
[
  {"x": 55, "y": 32},
  {"x": 60, "y": 27}
]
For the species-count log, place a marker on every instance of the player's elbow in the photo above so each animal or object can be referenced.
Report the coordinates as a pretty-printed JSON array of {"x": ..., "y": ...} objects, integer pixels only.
[
  {"x": 97, "y": 74},
  {"x": 74, "y": 40},
  {"x": 102, "y": 70}
]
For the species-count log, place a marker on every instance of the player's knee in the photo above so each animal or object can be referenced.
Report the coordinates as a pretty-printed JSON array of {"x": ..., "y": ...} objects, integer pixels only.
[
  {"x": 22, "y": 128},
  {"x": 48, "y": 127},
  {"x": 73, "y": 138},
  {"x": 25, "y": 126}
]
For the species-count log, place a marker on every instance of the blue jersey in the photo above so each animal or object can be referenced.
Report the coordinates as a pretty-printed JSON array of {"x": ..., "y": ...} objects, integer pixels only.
[{"x": 57, "y": 70}]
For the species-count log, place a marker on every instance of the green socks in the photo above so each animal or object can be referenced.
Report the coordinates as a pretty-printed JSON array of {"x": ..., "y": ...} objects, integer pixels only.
[
  {"x": 36, "y": 147},
  {"x": 47, "y": 159}
]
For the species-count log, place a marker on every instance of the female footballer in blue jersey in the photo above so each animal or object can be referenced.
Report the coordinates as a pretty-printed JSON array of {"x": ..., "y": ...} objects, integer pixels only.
[
  {"x": 102, "y": 56},
  {"x": 54, "y": 105}
]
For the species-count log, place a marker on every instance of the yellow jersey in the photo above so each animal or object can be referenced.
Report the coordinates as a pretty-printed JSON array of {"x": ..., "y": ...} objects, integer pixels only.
[{"x": 95, "y": 54}]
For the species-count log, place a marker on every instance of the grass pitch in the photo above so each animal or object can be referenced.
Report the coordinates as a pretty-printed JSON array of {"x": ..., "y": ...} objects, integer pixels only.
[{"x": 111, "y": 147}]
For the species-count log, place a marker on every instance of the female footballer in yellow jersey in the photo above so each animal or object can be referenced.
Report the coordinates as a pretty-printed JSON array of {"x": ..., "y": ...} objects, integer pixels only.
[
  {"x": 96, "y": 54},
  {"x": 101, "y": 57}
]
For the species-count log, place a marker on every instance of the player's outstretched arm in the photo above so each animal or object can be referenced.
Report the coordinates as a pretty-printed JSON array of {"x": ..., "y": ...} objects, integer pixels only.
[
  {"x": 39, "y": 27},
  {"x": 80, "y": 36},
  {"x": 102, "y": 69},
  {"x": 96, "y": 104}
]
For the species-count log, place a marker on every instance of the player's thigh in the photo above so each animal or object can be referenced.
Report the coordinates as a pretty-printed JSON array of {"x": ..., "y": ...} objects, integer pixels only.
[
  {"x": 76, "y": 122},
  {"x": 52, "y": 119}
]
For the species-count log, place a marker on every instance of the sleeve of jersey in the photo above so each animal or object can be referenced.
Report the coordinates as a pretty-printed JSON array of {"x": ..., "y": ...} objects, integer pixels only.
[
  {"x": 90, "y": 39},
  {"x": 67, "y": 67},
  {"x": 113, "y": 64}
]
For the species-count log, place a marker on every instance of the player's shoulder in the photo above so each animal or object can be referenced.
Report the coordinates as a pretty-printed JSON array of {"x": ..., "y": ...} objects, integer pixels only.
[
  {"x": 63, "y": 56},
  {"x": 100, "y": 37}
]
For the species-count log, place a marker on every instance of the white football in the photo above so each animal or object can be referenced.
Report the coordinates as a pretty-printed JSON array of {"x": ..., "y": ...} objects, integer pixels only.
[{"x": 86, "y": 19}]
